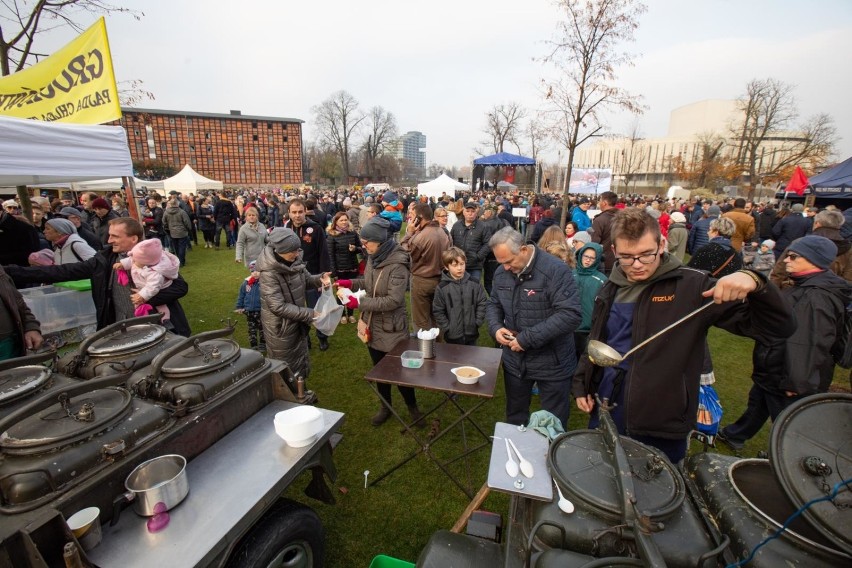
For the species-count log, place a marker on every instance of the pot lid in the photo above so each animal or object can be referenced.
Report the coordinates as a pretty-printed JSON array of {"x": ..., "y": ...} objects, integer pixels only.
[
  {"x": 583, "y": 465},
  {"x": 19, "y": 382},
  {"x": 201, "y": 358},
  {"x": 68, "y": 421},
  {"x": 134, "y": 338},
  {"x": 811, "y": 452}
]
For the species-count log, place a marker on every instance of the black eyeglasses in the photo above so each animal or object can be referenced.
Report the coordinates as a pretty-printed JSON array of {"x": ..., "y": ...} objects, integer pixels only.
[
  {"x": 793, "y": 256},
  {"x": 642, "y": 258},
  {"x": 592, "y": 257}
]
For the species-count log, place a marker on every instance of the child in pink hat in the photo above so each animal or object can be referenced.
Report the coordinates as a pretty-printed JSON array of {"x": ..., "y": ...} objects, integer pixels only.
[{"x": 151, "y": 269}]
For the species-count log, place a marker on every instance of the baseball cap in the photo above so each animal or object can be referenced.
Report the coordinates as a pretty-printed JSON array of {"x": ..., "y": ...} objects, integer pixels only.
[
  {"x": 471, "y": 205},
  {"x": 69, "y": 211}
]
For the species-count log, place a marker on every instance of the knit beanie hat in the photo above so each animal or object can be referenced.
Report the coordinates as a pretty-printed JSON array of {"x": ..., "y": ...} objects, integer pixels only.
[
  {"x": 100, "y": 203},
  {"x": 797, "y": 208},
  {"x": 62, "y": 226},
  {"x": 375, "y": 230},
  {"x": 147, "y": 252},
  {"x": 582, "y": 236},
  {"x": 768, "y": 243},
  {"x": 714, "y": 211},
  {"x": 678, "y": 217},
  {"x": 252, "y": 266},
  {"x": 43, "y": 257},
  {"x": 389, "y": 197},
  {"x": 820, "y": 251},
  {"x": 283, "y": 240}
]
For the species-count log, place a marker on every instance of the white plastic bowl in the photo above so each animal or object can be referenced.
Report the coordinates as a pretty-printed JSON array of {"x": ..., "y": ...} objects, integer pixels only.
[
  {"x": 412, "y": 359},
  {"x": 299, "y": 426},
  {"x": 467, "y": 375}
]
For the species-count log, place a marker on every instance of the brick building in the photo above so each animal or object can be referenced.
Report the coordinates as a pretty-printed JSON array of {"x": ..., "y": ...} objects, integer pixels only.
[{"x": 233, "y": 148}]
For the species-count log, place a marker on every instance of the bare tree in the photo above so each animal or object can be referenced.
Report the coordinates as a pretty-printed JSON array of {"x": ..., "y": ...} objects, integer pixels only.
[
  {"x": 768, "y": 139},
  {"x": 337, "y": 121},
  {"x": 536, "y": 134},
  {"x": 634, "y": 154},
  {"x": 586, "y": 59},
  {"x": 503, "y": 124},
  {"x": 383, "y": 130}
]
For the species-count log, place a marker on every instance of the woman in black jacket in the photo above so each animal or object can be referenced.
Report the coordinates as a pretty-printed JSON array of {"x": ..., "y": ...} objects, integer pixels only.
[
  {"x": 206, "y": 221},
  {"x": 343, "y": 248}
]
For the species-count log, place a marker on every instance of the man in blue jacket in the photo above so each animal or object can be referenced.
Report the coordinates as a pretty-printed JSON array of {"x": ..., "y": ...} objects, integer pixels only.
[{"x": 533, "y": 313}]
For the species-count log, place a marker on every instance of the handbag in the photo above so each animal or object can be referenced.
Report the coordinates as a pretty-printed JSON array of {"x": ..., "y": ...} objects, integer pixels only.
[{"x": 364, "y": 333}]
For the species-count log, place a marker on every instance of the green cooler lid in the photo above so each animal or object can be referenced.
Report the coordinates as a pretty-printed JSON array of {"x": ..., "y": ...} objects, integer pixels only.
[
  {"x": 78, "y": 285},
  {"x": 810, "y": 452}
]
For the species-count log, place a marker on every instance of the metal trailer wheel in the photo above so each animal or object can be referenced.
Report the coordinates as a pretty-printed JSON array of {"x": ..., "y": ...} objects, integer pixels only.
[{"x": 289, "y": 535}]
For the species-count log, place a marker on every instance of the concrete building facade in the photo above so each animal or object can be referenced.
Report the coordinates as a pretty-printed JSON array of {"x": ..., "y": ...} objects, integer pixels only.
[
  {"x": 408, "y": 147},
  {"x": 233, "y": 148}
]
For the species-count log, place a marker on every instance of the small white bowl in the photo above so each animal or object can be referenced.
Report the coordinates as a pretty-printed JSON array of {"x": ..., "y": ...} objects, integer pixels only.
[
  {"x": 299, "y": 426},
  {"x": 467, "y": 375}
]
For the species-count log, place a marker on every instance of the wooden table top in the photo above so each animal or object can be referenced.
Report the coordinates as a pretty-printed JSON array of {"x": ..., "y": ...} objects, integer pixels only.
[{"x": 436, "y": 374}]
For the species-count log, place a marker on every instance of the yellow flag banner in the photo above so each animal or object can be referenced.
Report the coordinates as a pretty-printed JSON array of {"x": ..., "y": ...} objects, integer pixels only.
[{"x": 76, "y": 84}]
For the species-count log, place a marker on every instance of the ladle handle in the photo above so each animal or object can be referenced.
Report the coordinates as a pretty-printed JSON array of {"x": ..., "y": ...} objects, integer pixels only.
[{"x": 667, "y": 328}]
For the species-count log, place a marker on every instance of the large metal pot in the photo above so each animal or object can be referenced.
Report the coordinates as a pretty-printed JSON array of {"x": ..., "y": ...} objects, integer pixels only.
[{"x": 155, "y": 486}]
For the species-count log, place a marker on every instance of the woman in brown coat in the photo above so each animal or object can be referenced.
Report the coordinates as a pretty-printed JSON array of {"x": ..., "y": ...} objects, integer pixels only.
[{"x": 383, "y": 307}]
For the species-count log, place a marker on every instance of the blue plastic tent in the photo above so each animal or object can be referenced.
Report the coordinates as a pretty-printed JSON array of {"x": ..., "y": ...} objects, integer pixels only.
[
  {"x": 834, "y": 182},
  {"x": 504, "y": 159}
]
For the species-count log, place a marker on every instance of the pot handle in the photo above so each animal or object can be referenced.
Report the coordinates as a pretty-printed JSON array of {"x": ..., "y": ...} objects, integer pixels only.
[
  {"x": 35, "y": 359},
  {"x": 120, "y": 326},
  {"x": 120, "y": 503},
  {"x": 160, "y": 360}
]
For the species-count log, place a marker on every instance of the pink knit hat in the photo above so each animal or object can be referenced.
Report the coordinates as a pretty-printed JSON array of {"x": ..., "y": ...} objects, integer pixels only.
[{"x": 147, "y": 252}]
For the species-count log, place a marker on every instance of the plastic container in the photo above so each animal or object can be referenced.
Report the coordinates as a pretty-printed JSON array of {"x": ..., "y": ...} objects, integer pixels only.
[
  {"x": 382, "y": 561},
  {"x": 58, "y": 309},
  {"x": 412, "y": 359}
]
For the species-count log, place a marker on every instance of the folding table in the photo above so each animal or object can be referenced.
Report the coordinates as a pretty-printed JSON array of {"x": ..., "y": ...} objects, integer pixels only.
[{"x": 436, "y": 375}]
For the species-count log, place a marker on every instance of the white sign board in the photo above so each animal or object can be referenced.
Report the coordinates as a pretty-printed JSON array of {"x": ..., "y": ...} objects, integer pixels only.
[{"x": 519, "y": 211}]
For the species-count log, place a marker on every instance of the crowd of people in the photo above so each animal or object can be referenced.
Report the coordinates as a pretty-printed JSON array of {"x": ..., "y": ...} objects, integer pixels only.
[{"x": 617, "y": 273}]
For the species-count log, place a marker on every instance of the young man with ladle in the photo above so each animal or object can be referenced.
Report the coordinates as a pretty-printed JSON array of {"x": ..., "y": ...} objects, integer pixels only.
[{"x": 654, "y": 391}]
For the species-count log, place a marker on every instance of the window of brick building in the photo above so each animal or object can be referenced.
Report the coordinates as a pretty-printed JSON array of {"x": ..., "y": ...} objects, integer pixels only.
[
  {"x": 285, "y": 138},
  {"x": 269, "y": 125},
  {"x": 254, "y": 137},
  {"x": 254, "y": 124}
]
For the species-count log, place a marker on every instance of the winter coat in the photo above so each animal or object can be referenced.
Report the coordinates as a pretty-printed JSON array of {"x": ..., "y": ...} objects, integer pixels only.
[
  {"x": 803, "y": 363},
  {"x": 17, "y": 311},
  {"x": 677, "y": 240},
  {"x": 176, "y": 223},
  {"x": 384, "y": 305},
  {"x": 602, "y": 234},
  {"x": 250, "y": 242},
  {"x": 542, "y": 307},
  {"x": 581, "y": 218},
  {"x": 765, "y": 222},
  {"x": 224, "y": 212},
  {"x": 425, "y": 248},
  {"x": 698, "y": 236},
  {"x": 153, "y": 223},
  {"x": 473, "y": 240},
  {"x": 74, "y": 249},
  {"x": 745, "y": 227},
  {"x": 99, "y": 269},
  {"x": 842, "y": 265},
  {"x": 660, "y": 392},
  {"x": 100, "y": 225},
  {"x": 459, "y": 307},
  {"x": 541, "y": 227},
  {"x": 314, "y": 246},
  {"x": 589, "y": 282},
  {"x": 787, "y": 230},
  {"x": 284, "y": 314},
  {"x": 342, "y": 259},
  {"x": 717, "y": 257},
  {"x": 249, "y": 299},
  {"x": 206, "y": 221},
  {"x": 18, "y": 239}
]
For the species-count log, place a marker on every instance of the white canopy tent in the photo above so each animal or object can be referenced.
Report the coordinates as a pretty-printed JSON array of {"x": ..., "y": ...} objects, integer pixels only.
[
  {"x": 440, "y": 185},
  {"x": 189, "y": 181},
  {"x": 33, "y": 152},
  {"x": 110, "y": 184}
]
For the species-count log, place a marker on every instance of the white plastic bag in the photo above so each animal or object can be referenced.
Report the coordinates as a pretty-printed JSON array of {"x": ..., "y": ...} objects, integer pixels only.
[{"x": 330, "y": 312}]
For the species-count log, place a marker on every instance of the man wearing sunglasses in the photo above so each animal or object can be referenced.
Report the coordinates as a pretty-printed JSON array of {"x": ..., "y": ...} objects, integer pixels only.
[
  {"x": 787, "y": 370},
  {"x": 655, "y": 391}
]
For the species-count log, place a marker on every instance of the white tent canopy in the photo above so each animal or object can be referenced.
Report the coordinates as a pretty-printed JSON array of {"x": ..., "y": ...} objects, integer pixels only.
[
  {"x": 34, "y": 152},
  {"x": 189, "y": 181},
  {"x": 440, "y": 185},
  {"x": 110, "y": 184}
]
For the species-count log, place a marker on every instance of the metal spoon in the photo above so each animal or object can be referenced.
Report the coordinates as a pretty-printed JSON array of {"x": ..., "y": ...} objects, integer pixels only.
[
  {"x": 564, "y": 504},
  {"x": 511, "y": 465},
  {"x": 603, "y": 355},
  {"x": 526, "y": 466}
]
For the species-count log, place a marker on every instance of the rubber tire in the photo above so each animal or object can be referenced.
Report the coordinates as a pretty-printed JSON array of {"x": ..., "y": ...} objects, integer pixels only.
[{"x": 288, "y": 527}]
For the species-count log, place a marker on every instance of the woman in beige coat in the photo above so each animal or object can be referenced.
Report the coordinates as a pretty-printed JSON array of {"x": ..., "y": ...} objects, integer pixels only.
[{"x": 383, "y": 307}]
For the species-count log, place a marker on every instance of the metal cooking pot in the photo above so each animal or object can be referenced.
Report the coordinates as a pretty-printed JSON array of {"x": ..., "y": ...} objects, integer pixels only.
[{"x": 155, "y": 486}]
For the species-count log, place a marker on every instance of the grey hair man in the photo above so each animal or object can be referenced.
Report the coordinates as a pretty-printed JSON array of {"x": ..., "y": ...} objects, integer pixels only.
[{"x": 533, "y": 313}]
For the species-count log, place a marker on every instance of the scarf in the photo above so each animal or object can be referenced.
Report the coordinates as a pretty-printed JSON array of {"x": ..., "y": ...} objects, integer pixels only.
[
  {"x": 250, "y": 281},
  {"x": 383, "y": 252}
]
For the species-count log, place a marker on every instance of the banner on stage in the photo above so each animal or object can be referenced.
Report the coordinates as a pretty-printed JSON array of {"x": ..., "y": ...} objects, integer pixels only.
[{"x": 74, "y": 85}]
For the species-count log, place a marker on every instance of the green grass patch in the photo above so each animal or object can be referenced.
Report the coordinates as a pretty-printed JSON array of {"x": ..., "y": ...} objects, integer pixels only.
[{"x": 397, "y": 516}]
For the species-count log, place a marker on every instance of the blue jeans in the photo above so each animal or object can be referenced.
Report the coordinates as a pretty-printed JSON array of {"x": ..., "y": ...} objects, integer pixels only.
[
  {"x": 229, "y": 234},
  {"x": 179, "y": 248}
]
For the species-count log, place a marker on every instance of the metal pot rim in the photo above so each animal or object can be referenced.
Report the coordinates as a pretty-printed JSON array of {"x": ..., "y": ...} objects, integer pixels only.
[{"x": 180, "y": 459}]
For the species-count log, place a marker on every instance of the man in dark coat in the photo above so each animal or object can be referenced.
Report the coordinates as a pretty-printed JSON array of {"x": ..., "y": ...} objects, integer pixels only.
[
  {"x": 19, "y": 329},
  {"x": 790, "y": 228},
  {"x": 602, "y": 228},
  {"x": 113, "y": 301},
  {"x": 471, "y": 235},
  {"x": 73, "y": 214},
  {"x": 18, "y": 239},
  {"x": 225, "y": 214},
  {"x": 533, "y": 314}
]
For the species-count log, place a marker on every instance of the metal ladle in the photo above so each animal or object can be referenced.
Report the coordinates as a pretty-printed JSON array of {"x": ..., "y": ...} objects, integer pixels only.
[{"x": 603, "y": 355}]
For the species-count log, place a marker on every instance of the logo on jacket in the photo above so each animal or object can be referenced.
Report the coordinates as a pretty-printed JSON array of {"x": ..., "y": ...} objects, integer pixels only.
[
  {"x": 662, "y": 298},
  {"x": 530, "y": 293}
]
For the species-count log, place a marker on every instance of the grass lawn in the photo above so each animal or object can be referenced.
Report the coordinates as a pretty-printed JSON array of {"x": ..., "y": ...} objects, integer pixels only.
[{"x": 397, "y": 516}]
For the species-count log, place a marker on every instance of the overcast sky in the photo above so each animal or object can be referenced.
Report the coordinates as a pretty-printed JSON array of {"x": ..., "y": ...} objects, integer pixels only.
[{"x": 440, "y": 65}]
